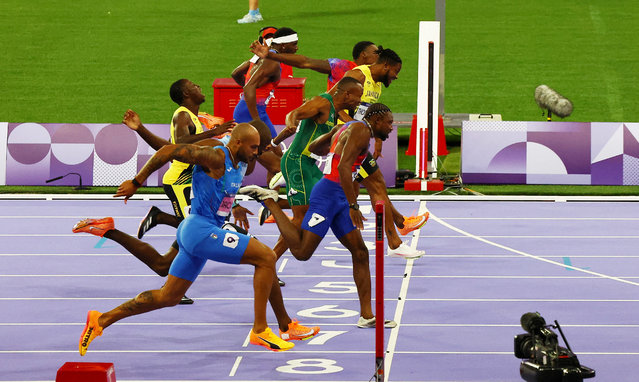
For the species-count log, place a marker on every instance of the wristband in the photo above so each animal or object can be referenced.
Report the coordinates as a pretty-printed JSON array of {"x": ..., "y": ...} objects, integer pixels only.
[
  {"x": 235, "y": 204},
  {"x": 273, "y": 142},
  {"x": 135, "y": 182}
]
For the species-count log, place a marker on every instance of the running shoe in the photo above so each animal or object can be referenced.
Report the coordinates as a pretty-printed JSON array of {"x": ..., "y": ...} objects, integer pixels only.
[
  {"x": 258, "y": 193},
  {"x": 405, "y": 252},
  {"x": 270, "y": 340},
  {"x": 150, "y": 221},
  {"x": 263, "y": 215},
  {"x": 281, "y": 282},
  {"x": 97, "y": 227},
  {"x": 370, "y": 323},
  {"x": 249, "y": 18},
  {"x": 412, "y": 223},
  {"x": 91, "y": 330},
  {"x": 277, "y": 181},
  {"x": 186, "y": 301},
  {"x": 297, "y": 331}
]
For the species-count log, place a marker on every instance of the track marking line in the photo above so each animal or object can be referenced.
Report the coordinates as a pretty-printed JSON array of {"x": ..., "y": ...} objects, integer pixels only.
[
  {"x": 392, "y": 340},
  {"x": 560, "y": 264}
]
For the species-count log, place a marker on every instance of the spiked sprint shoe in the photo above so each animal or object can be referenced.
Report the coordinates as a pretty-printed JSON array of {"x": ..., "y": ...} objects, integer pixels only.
[
  {"x": 412, "y": 223},
  {"x": 150, "y": 221},
  {"x": 91, "y": 330},
  {"x": 297, "y": 331},
  {"x": 97, "y": 227},
  {"x": 269, "y": 340}
]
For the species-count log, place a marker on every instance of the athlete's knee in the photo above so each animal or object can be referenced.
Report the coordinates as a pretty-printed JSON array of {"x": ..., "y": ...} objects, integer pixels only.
[{"x": 301, "y": 255}]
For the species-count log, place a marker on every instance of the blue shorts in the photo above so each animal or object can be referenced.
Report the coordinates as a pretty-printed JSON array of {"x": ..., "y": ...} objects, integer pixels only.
[
  {"x": 242, "y": 114},
  {"x": 328, "y": 208},
  {"x": 199, "y": 241}
]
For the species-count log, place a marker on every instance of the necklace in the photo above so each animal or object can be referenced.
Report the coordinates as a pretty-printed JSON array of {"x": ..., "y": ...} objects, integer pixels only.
[
  {"x": 231, "y": 154},
  {"x": 369, "y": 127}
]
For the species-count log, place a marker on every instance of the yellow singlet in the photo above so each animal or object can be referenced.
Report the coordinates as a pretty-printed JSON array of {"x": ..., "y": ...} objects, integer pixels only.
[
  {"x": 180, "y": 172},
  {"x": 372, "y": 92}
]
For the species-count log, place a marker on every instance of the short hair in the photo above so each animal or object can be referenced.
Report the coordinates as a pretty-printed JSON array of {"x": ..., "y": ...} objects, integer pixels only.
[
  {"x": 360, "y": 47},
  {"x": 263, "y": 130},
  {"x": 284, "y": 31},
  {"x": 346, "y": 83},
  {"x": 387, "y": 56},
  {"x": 177, "y": 90},
  {"x": 376, "y": 108}
]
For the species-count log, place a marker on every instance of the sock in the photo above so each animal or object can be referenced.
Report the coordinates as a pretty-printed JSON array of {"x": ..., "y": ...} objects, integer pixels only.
[{"x": 254, "y": 12}]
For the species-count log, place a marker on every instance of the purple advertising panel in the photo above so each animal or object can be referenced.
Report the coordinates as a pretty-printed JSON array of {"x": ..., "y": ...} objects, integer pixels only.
[
  {"x": 105, "y": 155},
  {"x": 587, "y": 153}
]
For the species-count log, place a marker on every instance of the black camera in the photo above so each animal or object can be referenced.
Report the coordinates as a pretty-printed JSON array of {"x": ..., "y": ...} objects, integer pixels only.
[{"x": 544, "y": 359}]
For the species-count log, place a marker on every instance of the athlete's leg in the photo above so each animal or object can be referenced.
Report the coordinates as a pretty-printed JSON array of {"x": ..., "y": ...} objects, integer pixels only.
[
  {"x": 169, "y": 295},
  {"x": 376, "y": 187},
  {"x": 159, "y": 264},
  {"x": 302, "y": 243},
  {"x": 298, "y": 216},
  {"x": 263, "y": 258},
  {"x": 354, "y": 242}
]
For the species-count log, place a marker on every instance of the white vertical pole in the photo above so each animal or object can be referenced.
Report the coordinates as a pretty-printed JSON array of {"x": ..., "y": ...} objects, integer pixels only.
[
  {"x": 4, "y": 131},
  {"x": 428, "y": 31}
]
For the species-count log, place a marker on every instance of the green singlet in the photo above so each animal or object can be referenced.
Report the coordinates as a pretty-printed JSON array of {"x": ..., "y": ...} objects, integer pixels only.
[{"x": 298, "y": 168}]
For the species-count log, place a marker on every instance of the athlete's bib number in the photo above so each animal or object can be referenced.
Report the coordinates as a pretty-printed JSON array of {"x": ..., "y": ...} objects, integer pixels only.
[
  {"x": 225, "y": 206},
  {"x": 231, "y": 240},
  {"x": 361, "y": 110}
]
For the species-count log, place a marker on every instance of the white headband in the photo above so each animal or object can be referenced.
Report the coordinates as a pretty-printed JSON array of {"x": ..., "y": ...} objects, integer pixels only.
[
  {"x": 268, "y": 41},
  {"x": 285, "y": 39}
]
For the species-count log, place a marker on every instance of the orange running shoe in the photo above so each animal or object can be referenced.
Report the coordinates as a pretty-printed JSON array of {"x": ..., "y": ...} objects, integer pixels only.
[
  {"x": 270, "y": 340},
  {"x": 91, "y": 330},
  {"x": 412, "y": 223},
  {"x": 297, "y": 331},
  {"x": 97, "y": 227}
]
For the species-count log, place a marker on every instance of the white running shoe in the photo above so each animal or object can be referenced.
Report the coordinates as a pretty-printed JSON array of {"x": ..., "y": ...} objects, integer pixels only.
[
  {"x": 370, "y": 323},
  {"x": 258, "y": 193},
  {"x": 406, "y": 252},
  {"x": 277, "y": 181},
  {"x": 248, "y": 18}
]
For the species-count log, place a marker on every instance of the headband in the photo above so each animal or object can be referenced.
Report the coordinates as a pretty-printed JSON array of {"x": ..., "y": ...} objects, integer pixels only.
[{"x": 285, "y": 39}]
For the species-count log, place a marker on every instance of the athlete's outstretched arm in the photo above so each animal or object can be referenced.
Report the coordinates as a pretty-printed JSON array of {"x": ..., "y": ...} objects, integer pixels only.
[
  {"x": 316, "y": 108},
  {"x": 356, "y": 144},
  {"x": 132, "y": 120},
  {"x": 296, "y": 60},
  {"x": 193, "y": 154}
]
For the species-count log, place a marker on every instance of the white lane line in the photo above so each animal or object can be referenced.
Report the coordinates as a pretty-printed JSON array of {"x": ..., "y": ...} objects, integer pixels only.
[
  {"x": 563, "y": 265},
  {"x": 235, "y": 366},
  {"x": 399, "y": 310},
  {"x": 281, "y": 268}
]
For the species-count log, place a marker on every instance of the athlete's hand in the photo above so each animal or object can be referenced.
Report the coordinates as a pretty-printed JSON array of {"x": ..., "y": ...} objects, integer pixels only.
[
  {"x": 226, "y": 127},
  {"x": 126, "y": 189},
  {"x": 357, "y": 218},
  {"x": 239, "y": 214},
  {"x": 259, "y": 50},
  {"x": 378, "y": 149},
  {"x": 131, "y": 119}
]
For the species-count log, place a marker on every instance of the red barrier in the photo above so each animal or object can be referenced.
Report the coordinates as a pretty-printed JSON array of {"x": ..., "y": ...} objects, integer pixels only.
[{"x": 86, "y": 372}]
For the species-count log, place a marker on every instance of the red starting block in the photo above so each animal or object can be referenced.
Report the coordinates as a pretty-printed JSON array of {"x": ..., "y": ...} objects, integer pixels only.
[{"x": 86, "y": 372}]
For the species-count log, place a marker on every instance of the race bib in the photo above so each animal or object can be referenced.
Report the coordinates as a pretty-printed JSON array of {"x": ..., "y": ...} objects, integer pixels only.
[
  {"x": 225, "y": 206},
  {"x": 361, "y": 110}
]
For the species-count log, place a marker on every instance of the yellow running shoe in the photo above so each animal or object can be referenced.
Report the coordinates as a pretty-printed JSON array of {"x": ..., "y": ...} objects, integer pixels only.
[
  {"x": 97, "y": 227},
  {"x": 297, "y": 331},
  {"x": 270, "y": 340},
  {"x": 91, "y": 330},
  {"x": 412, "y": 223}
]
